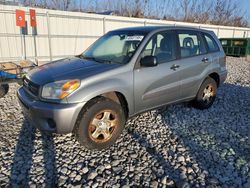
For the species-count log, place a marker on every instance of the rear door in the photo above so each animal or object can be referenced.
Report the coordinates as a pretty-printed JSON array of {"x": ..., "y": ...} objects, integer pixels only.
[
  {"x": 194, "y": 62},
  {"x": 155, "y": 86}
]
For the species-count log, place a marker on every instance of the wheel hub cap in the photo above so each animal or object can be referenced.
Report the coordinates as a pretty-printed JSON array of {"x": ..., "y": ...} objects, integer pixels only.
[
  {"x": 103, "y": 125},
  {"x": 208, "y": 93}
]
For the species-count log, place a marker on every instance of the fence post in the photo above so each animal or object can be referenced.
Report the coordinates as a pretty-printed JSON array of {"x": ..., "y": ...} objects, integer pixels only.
[
  {"x": 24, "y": 47},
  {"x": 104, "y": 25},
  {"x": 22, "y": 43},
  {"x": 145, "y": 22},
  {"x": 246, "y": 34},
  {"x": 35, "y": 50},
  {"x": 218, "y": 32},
  {"x": 49, "y": 36},
  {"x": 24, "y": 31},
  {"x": 233, "y": 32}
]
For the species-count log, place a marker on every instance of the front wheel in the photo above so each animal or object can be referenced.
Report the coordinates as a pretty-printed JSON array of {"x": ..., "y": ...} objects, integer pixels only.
[
  {"x": 100, "y": 123},
  {"x": 206, "y": 94}
]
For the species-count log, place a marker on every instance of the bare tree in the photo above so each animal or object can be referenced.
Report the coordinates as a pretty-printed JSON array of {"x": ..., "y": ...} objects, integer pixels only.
[
  {"x": 61, "y": 4},
  {"x": 43, "y": 3},
  {"x": 185, "y": 7},
  {"x": 219, "y": 12},
  {"x": 203, "y": 12},
  {"x": 228, "y": 13}
]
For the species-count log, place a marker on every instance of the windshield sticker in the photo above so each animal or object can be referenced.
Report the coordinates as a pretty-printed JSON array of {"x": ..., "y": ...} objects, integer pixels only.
[{"x": 134, "y": 38}]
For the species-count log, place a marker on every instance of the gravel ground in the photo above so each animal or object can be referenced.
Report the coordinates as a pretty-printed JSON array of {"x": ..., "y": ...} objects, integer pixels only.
[{"x": 162, "y": 148}]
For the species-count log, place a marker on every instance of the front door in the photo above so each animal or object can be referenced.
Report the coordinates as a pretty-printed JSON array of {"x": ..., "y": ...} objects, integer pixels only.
[{"x": 158, "y": 85}]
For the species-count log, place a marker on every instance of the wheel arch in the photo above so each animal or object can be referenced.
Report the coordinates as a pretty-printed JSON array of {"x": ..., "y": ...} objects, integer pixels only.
[
  {"x": 119, "y": 98},
  {"x": 115, "y": 96},
  {"x": 216, "y": 77}
]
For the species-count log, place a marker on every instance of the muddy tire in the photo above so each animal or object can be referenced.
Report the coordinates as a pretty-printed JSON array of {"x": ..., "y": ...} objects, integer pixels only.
[
  {"x": 206, "y": 94},
  {"x": 4, "y": 89},
  {"x": 99, "y": 124}
]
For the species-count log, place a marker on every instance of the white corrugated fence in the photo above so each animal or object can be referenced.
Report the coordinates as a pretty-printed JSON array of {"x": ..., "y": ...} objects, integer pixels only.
[{"x": 62, "y": 33}]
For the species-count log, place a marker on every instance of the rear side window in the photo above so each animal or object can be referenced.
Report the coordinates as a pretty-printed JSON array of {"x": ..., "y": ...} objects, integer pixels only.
[
  {"x": 190, "y": 44},
  {"x": 211, "y": 44}
]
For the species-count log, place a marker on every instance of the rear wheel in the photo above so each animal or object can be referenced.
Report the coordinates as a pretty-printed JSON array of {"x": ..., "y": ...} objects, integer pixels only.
[
  {"x": 206, "y": 94},
  {"x": 100, "y": 124},
  {"x": 4, "y": 88}
]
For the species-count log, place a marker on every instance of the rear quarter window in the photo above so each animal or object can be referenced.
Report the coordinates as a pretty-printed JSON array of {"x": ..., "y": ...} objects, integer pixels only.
[{"x": 211, "y": 43}]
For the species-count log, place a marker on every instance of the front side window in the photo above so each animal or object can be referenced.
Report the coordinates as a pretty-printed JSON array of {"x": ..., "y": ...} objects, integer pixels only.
[
  {"x": 114, "y": 47},
  {"x": 162, "y": 46},
  {"x": 190, "y": 44},
  {"x": 211, "y": 44}
]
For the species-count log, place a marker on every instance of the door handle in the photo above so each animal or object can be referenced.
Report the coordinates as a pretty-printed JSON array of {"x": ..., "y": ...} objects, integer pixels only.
[
  {"x": 205, "y": 60},
  {"x": 174, "y": 67}
]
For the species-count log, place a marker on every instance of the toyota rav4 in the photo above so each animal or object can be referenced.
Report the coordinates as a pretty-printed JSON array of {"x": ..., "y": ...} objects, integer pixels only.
[{"x": 124, "y": 73}]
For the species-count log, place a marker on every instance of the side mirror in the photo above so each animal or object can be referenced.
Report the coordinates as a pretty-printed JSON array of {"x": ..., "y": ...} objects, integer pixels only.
[{"x": 149, "y": 61}]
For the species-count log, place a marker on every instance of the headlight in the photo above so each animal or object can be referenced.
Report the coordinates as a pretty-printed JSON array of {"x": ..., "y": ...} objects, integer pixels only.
[{"x": 59, "y": 89}]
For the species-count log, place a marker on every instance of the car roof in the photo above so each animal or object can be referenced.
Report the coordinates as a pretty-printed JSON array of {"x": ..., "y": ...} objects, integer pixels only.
[{"x": 148, "y": 29}]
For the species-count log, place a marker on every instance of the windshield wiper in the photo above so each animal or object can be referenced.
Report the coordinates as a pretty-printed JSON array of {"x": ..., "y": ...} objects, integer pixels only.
[
  {"x": 111, "y": 61},
  {"x": 98, "y": 60},
  {"x": 107, "y": 61},
  {"x": 90, "y": 58}
]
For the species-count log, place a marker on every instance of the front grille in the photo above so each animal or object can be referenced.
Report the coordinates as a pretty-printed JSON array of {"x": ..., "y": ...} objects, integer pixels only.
[{"x": 31, "y": 86}]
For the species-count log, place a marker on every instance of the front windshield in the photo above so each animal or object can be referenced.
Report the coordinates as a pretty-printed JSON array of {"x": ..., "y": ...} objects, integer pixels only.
[{"x": 114, "y": 47}]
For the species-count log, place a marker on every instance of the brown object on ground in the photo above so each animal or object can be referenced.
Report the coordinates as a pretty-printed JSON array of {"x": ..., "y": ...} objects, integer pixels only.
[
  {"x": 26, "y": 63},
  {"x": 14, "y": 68},
  {"x": 9, "y": 67}
]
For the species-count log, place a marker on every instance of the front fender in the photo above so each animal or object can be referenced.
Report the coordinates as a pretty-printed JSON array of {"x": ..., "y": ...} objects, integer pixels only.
[{"x": 93, "y": 89}]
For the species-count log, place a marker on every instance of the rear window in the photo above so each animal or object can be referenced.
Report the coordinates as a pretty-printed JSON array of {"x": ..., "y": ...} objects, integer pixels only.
[{"x": 211, "y": 44}]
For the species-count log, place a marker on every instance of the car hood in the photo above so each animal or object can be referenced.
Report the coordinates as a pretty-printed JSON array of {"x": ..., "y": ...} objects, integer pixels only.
[{"x": 71, "y": 68}]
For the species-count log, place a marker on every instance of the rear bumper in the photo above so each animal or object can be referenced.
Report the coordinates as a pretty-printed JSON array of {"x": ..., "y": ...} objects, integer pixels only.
[{"x": 49, "y": 117}]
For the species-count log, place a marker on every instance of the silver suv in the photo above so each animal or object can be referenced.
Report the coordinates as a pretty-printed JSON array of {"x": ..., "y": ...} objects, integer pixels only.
[{"x": 124, "y": 73}]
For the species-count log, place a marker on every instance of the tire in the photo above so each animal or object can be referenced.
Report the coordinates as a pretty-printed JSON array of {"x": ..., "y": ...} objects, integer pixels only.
[
  {"x": 99, "y": 124},
  {"x": 4, "y": 89},
  {"x": 206, "y": 94}
]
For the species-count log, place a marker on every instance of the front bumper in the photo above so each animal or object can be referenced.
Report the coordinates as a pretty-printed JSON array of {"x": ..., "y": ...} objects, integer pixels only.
[{"x": 49, "y": 117}]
